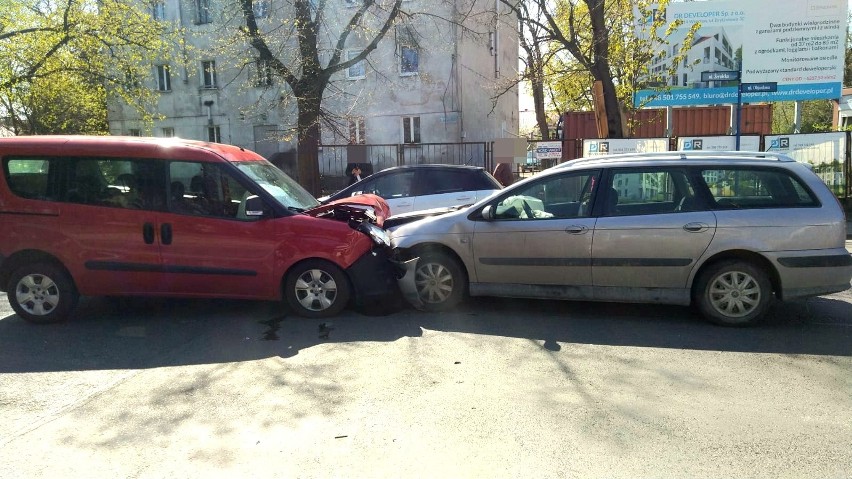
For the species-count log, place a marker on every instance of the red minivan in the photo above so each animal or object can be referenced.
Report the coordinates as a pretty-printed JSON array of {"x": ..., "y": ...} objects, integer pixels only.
[{"x": 109, "y": 216}]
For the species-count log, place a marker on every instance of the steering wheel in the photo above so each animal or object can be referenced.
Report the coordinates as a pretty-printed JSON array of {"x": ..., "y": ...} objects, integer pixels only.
[{"x": 527, "y": 209}]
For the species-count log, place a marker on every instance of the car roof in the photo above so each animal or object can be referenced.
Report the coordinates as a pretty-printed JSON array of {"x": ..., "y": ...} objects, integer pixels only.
[
  {"x": 676, "y": 157},
  {"x": 127, "y": 146},
  {"x": 430, "y": 166},
  {"x": 403, "y": 168}
]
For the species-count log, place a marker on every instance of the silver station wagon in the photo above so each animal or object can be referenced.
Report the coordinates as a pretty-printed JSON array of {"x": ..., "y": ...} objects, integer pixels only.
[{"x": 726, "y": 231}]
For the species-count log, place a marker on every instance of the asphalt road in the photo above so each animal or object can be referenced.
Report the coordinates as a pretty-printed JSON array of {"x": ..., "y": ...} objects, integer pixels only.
[{"x": 499, "y": 388}]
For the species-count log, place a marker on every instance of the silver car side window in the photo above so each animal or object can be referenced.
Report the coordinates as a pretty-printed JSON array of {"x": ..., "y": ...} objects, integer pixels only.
[
  {"x": 563, "y": 196},
  {"x": 744, "y": 188},
  {"x": 648, "y": 191}
]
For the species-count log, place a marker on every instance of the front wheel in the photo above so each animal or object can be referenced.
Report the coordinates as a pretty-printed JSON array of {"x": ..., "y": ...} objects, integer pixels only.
[
  {"x": 316, "y": 289},
  {"x": 42, "y": 293},
  {"x": 440, "y": 281},
  {"x": 733, "y": 293}
]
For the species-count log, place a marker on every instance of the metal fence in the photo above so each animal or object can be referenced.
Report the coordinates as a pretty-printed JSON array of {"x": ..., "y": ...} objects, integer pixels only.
[
  {"x": 334, "y": 158},
  {"x": 828, "y": 153}
]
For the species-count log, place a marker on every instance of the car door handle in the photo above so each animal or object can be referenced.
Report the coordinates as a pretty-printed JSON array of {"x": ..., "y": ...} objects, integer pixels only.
[
  {"x": 696, "y": 227},
  {"x": 576, "y": 229},
  {"x": 166, "y": 233},
  {"x": 148, "y": 233},
  {"x": 464, "y": 198}
]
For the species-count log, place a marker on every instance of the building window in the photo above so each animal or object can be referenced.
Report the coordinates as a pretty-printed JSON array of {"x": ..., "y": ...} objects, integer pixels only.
[
  {"x": 208, "y": 70},
  {"x": 164, "y": 79},
  {"x": 358, "y": 70},
  {"x": 134, "y": 132},
  {"x": 411, "y": 129},
  {"x": 202, "y": 12},
  {"x": 409, "y": 60},
  {"x": 168, "y": 132},
  {"x": 262, "y": 72},
  {"x": 158, "y": 9},
  {"x": 261, "y": 8},
  {"x": 357, "y": 131},
  {"x": 213, "y": 134}
]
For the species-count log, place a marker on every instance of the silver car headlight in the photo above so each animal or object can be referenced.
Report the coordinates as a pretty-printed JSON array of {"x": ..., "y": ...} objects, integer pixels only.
[{"x": 378, "y": 235}]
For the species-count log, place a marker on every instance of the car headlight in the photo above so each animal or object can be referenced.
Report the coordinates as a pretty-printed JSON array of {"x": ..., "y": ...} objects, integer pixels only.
[{"x": 378, "y": 235}]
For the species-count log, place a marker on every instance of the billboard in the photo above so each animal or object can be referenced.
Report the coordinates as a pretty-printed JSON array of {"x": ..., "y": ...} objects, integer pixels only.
[
  {"x": 618, "y": 146},
  {"x": 718, "y": 143},
  {"x": 548, "y": 150},
  {"x": 800, "y": 47},
  {"x": 825, "y": 152}
]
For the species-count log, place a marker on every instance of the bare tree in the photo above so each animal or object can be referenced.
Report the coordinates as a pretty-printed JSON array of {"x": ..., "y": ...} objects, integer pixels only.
[
  {"x": 533, "y": 44},
  {"x": 599, "y": 37},
  {"x": 564, "y": 22},
  {"x": 301, "y": 67}
]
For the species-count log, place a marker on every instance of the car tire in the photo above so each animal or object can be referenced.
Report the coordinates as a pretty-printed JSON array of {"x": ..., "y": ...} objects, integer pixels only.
[
  {"x": 440, "y": 281},
  {"x": 316, "y": 289},
  {"x": 42, "y": 293},
  {"x": 733, "y": 293}
]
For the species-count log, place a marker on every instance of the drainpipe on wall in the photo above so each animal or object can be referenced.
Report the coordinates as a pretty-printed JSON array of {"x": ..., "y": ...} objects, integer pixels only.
[
  {"x": 459, "y": 82},
  {"x": 496, "y": 38},
  {"x": 183, "y": 58}
]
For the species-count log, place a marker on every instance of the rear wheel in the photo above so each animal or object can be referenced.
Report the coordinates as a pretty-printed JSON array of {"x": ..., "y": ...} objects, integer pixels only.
[
  {"x": 42, "y": 293},
  {"x": 733, "y": 293},
  {"x": 440, "y": 281},
  {"x": 316, "y": 289}
]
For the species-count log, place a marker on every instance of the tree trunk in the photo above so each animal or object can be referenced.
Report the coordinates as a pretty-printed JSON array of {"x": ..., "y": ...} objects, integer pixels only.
[
  {"x": 600, "y": 69},
  {"x": 535, "y": 74},
  {"x": 309, "y": 100},
  {"x": 613, "y": 111},
  {"x": 538, "y": 101}
]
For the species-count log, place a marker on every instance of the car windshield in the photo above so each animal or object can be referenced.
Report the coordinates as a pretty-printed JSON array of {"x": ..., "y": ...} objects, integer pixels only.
[{"x": 290, "y": 194}]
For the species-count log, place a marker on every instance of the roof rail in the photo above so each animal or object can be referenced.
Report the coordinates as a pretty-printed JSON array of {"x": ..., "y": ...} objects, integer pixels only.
[
  {"x": 739, "y": 154},
  {"x": 685, "y": 155}
]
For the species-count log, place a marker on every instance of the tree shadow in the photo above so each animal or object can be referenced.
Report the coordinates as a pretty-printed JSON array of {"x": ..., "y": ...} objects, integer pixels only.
[{"x": 110, "y": 333}]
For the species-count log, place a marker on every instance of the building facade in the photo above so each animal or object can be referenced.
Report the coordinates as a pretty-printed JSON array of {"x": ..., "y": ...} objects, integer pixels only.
[{"x": 433, "y": 78}]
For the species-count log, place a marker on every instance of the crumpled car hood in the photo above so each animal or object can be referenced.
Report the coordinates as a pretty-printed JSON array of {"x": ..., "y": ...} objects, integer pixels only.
[
  {"x": 412, "y": 216},
  {"x": 367, "y": 207}
]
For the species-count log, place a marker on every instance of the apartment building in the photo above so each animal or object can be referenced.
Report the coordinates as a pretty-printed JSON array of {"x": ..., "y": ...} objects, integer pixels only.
[
  {"x": 711, "y": 50},
  {"x": 432, "y": 78}
]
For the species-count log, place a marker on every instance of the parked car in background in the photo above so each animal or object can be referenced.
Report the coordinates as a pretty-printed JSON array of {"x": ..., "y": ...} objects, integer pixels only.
[
  {"x": 423, "y": 187},
  {"x": 100, "y": 216},
  {"x": 726, "y": 231}
]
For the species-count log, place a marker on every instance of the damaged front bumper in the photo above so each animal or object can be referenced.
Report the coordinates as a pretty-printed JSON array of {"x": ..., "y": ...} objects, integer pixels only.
[
  {"x": 377, "y": 276},
  {"x": 406, "y": 281},
  {"x": 373, "y": 276}
]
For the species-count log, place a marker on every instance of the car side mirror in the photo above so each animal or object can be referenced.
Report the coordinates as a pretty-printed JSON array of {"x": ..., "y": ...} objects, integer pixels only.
[
  {"x": 488, "y": 213},
  {"x": 254, "y": 206}
]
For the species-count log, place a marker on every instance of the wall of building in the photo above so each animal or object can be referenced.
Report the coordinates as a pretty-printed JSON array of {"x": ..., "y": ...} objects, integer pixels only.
[
  {"x": 451, "y": 93},
  {"x": 488, "y": 65}
]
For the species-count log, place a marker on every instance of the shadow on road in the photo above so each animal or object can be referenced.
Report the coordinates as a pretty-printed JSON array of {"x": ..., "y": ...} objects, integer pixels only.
[
  {"x": 143, "y": 333},
  {"x": 818, "y": 326}
]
